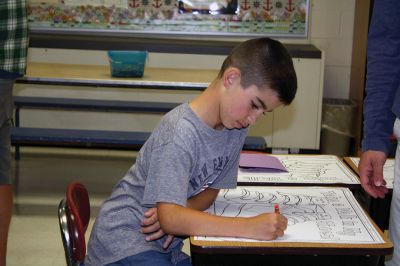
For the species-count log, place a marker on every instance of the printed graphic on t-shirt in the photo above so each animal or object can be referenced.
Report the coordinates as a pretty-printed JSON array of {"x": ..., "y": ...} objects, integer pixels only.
[{"x": 209, "y": 173}]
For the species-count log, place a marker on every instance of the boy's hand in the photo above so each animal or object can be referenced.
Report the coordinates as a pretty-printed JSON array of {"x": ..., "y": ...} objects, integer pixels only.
[
  {"x": 267, "y": 226},
  {"x": 151, "y": 226}
]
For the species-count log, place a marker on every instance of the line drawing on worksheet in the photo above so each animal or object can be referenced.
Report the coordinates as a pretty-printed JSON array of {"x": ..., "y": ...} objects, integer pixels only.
[
  {"x": 315, "y": 214},
  {"x": 388, "y": 170},
  {"x": 314, "y": 169}
]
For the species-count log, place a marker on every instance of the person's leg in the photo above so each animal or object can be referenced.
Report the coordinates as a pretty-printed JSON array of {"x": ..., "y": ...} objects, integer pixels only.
[
  {"x": 180, "y": 258},
  {"x": 5, "y": 165},
  {"x": 5, "y": 218},
  {"x": 394, "y": 229},
  {"x": 185, "y": 262},
  {"x": 145, "y": 259}
]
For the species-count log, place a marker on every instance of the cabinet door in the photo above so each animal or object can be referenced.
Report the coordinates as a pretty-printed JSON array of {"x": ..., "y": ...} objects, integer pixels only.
[
  {"x": 298, "y": 125},
  {"x": 263, "y": 127}
]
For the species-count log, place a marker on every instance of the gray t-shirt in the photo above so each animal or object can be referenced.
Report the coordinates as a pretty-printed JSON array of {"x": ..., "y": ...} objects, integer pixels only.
[{"x": 182, "y": 157}]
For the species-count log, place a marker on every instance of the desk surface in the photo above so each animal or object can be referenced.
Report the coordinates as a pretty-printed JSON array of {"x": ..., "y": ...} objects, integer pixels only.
[
  {"x": 320, "y": 221},
  {"x": 302, "y": 170},
  {"x": 95, "y": 75}
]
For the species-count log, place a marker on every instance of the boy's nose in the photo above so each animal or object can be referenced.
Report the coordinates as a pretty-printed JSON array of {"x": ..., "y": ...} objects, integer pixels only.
[{"x": 252, "y": 118}]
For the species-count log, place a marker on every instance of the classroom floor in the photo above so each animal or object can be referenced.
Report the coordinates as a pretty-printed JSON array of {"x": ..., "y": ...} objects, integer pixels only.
[{"x": 41, "y": 180}]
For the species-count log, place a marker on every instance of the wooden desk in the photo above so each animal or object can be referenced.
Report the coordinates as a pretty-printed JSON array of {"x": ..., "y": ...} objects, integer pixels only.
[
  {"x": 94, "y": 75},
  {"x": 326, "y": 227},
  {"x": 379, "y": 209}
]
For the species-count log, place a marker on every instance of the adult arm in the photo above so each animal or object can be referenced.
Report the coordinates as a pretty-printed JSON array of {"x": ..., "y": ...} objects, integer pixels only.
[
  {"x": 383, "y": 70},
  {"x": 383, "y": 61}
]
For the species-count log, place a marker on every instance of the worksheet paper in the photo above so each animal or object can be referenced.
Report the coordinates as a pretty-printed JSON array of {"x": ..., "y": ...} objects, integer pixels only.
[
  {"x": 315, "y": 214},
  {"x": 388, "y": 170},
  {"x": 315, "y": 169}
]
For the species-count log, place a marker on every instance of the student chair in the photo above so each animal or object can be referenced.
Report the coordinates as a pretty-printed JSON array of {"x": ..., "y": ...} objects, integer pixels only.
[{"x": 73, "y": 216}]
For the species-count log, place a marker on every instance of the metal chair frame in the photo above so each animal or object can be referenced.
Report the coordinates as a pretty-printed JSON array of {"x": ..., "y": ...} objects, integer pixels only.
[{"x": 73, "y": 217}]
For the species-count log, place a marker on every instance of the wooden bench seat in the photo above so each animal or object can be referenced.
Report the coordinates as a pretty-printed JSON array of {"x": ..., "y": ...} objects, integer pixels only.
[
  {"x": 92, "y": 105},
  {"x": 28, "y": 136},
  {"x": 78, "y": 138}
]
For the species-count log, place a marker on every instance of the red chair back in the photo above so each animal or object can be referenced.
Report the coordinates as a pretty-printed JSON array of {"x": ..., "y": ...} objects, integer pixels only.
[{"x": 79, "y": 215}]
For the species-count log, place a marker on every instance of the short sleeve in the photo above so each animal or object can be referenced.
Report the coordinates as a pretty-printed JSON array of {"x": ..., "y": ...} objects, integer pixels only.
[
  {"x": 229, "y": 180},
  {"x": 168, "y": 175}
]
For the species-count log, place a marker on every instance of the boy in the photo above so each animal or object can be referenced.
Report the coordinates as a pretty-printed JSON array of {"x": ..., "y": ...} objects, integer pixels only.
[{"x": 192, "y": 153}]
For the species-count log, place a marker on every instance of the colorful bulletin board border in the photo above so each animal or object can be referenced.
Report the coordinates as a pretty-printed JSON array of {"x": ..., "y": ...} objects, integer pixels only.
[{"x": 280, "y": 18}]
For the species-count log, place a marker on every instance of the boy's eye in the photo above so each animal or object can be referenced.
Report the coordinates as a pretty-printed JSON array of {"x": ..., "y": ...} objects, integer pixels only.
[{"x": 254, "y": 106}]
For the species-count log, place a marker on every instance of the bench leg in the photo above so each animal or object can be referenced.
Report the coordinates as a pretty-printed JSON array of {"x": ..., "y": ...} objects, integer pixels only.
[{"x": 17, "y": 155}]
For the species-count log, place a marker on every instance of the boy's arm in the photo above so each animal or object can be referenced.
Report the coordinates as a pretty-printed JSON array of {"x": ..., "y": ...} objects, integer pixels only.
[
  {"x": 178, "y": 220},
  {"x": 150, "y": 224},
  {"x": 203, "y": 200}
]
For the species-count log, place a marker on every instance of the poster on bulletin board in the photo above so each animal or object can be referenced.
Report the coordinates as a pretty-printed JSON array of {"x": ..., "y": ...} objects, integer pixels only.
[{"x": 274, "y": 18}]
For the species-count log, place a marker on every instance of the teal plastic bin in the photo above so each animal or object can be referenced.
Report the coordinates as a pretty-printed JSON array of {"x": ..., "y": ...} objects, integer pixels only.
[{"x": 127, "y": 63}]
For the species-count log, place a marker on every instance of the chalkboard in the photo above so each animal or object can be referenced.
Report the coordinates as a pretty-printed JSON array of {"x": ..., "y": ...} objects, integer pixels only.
[{"x": 215, "y": 18}]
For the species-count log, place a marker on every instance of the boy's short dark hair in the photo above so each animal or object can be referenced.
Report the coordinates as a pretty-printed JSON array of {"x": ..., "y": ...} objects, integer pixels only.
[{"x": 264, "y": 62}]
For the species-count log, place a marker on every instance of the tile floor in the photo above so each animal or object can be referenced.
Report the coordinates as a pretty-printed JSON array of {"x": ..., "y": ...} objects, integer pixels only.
[{"x": 41, "y": 179}]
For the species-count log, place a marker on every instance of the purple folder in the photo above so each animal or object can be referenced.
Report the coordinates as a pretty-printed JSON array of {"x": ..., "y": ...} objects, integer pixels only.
[{"x": 260, "y": 162}]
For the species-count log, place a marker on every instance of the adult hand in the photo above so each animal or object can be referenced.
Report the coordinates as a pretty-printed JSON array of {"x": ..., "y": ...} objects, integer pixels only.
[
  {"x": 371, "y": 173},
  {"x": 151, "y": 226}
]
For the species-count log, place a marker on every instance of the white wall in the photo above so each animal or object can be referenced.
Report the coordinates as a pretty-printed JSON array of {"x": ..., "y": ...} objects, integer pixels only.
[{"x": 331, "y": 29}]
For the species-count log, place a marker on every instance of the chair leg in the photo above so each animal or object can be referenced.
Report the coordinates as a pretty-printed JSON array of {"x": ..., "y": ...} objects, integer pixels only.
[{"x": 64, "y": 230}]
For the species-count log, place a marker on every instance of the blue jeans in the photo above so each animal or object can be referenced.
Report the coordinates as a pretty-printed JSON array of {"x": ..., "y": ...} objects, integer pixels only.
[{"x": 150, "y": 258}]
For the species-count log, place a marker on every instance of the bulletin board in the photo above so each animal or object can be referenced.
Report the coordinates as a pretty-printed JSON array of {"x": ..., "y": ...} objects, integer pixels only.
[{"x": 274, "y": 18}]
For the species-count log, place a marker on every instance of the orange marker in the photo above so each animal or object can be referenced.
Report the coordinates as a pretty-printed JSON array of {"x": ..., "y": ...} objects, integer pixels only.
[{"x": 276, "y": 207}]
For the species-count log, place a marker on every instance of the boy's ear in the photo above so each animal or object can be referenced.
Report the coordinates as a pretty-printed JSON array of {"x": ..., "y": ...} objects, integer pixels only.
[{"x": 231, "y": 75}]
